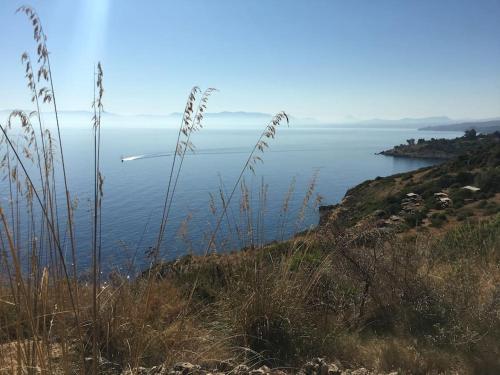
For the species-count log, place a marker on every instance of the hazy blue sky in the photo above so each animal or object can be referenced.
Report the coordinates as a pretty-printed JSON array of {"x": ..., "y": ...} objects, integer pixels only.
[{"x": 330, "y": 60}]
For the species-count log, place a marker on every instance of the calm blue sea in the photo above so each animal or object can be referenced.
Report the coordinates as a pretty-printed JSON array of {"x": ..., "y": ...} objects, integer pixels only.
[{"x": 134, "y": 189}]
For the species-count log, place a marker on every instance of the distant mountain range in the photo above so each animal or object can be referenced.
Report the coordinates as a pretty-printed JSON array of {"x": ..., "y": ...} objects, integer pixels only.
[
  {"x": 215, "y": 119},
  {"x": 228, "y": 119},
  {"x": 411, "y": 121}
]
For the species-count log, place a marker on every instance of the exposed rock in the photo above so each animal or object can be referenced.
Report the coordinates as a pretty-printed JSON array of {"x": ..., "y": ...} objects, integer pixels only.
[
  {"x": 241, "y": 370},
  {"x": 185, "y": 368},
  {"x": 360, "y": 371},
  {"x": 261, "y": 371},
  {"x": 104, "y": 366},
  {"x": 138, "y": 371},
  {"x": 160, "y": 370},
  {"x": 317, "y": 366}
]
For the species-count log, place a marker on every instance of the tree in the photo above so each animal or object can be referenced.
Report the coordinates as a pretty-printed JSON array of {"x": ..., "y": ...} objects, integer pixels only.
[
  {"x": 411, "y": 141},
  {"x": 470, "y": 134}
]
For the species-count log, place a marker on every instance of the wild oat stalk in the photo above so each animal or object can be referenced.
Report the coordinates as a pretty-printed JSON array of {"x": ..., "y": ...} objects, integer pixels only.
[
  {"x": 98, "y": 194},
  {"x": 307, "y": 198},
  {"x": 191, "y": 122},
  {"x": 250, "y": 164},
  {"x": 34, "y": 191},
  {"x": 260, "y": 146},
  {"x": 285, "y": 208},
  {"x": 23, "y": 292},
  {"x": 48, "y": 94},
  {"x": 44, "y": 177},
  {"x": 45, "y": 197}
]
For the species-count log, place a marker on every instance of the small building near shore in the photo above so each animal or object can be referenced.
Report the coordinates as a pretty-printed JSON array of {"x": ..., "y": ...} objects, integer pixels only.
[
  {"x": 445, "y": 202},
  {"x": 412, "y": 196},
  {"x": 441, "y": 194},
  {"x": 473, "y": 189}
]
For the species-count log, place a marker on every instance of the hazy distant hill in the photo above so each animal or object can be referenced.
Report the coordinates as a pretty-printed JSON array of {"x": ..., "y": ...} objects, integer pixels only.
[
  {"x": 410, "y": 123},
  {"x": 425, "y": 121},
  {"x": 239, "y": 119},
  {"x": 220, "y": 120},
  {"x": 490, "y": 126}
]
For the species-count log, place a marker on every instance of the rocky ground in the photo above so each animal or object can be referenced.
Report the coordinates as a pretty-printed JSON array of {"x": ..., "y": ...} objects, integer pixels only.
[{"x": 317, "y": 366}]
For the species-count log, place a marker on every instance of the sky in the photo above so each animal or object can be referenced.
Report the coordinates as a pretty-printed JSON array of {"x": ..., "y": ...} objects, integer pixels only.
[{"x": 326, "y": 59}]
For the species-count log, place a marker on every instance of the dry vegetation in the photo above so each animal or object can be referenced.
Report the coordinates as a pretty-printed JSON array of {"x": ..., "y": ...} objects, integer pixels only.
[{"x": 364, "y": 297}]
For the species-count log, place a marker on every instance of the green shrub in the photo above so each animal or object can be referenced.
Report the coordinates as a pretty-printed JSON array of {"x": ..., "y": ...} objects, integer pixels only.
[
  {"x": 438, "y": 219},
  {"x": 489, "y": 180},
  {"x": 415, "y": 219},
  {"x": 470, "y": 240},
  {"x": 464, "y": 214},
  {"x": 492, "y": 208}
]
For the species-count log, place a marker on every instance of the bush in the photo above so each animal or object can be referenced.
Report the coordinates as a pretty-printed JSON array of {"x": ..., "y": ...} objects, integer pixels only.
[
  {"x": 438, "y": 219},
  {"x": 416, "y": 219},
  {"x": 464, "y": 214},
  {"x": 491, "y": 208},
  {"x": 458, "y": 196},
  {"x": 464, "y": 178},
  {"x": 489, "y": 180}
]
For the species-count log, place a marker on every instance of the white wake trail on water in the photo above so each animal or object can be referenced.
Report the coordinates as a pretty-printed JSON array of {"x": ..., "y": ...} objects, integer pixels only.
[
  {"x": 221, "y": 151},
  {"x": 144, "y": 156}
]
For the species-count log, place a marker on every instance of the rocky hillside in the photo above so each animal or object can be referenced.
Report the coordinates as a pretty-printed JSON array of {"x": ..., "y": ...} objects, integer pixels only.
[
  {"x": 430, "y": 198},
  {"x": 442, "y": 148}
]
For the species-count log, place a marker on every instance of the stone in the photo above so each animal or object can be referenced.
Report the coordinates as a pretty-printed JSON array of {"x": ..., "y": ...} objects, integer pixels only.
[
  {"x": 185, "y": 368},
  {"x": 317, "y": 366},
  {"x": 160, "y": 370},
  {"x": 265, "y": 369},
  {"x": 333, "y": 370},
  {"x": 138, "y": 371},
  {"x": 360, "y": 371},
  {"x": 261, "y": 371},
  {"x": 241, "y": 369},
  {"x": 104, "y": 366}
]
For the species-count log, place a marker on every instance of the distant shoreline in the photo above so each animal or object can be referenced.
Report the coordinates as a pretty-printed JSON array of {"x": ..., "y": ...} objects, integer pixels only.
[{"x": 415, "y": 155}]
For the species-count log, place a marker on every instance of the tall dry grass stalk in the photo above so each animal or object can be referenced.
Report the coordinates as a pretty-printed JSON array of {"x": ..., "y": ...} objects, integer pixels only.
[
  {"x": 191, "y": 122},
  {"x": 253, "y": 158},
  {"x": 48, "y": 95},
  {"x": 250, "y": 164},
  {"x": 98, "y": 194}
]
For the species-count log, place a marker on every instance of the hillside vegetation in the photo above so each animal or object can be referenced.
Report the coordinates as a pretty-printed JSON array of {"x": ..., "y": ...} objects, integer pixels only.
[
  {"x": 477, "y": 166},
  {"x": 442, "y": 148}
]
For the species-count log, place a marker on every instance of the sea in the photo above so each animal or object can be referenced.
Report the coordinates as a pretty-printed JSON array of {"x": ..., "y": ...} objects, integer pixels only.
[{"x": 302, "y": 168}]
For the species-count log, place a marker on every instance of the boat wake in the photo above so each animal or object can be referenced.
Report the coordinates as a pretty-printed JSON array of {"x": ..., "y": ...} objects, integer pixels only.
[
  {"x": 219, "y": 151},
  {"x": 145, "y": 156}
]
